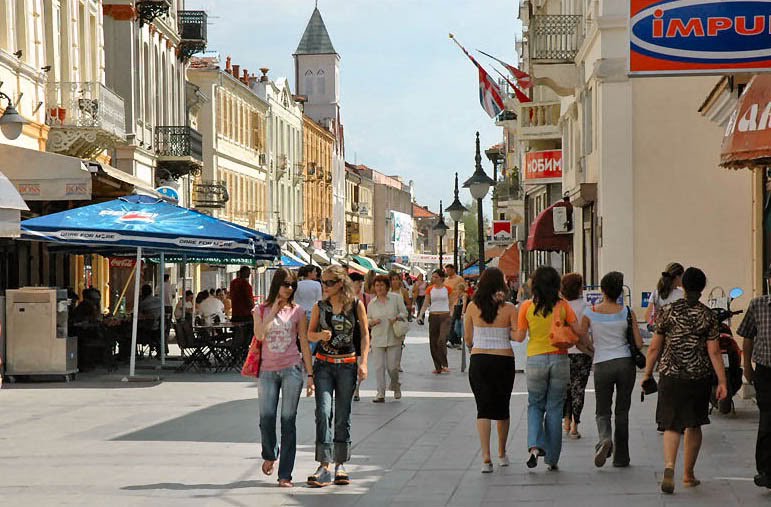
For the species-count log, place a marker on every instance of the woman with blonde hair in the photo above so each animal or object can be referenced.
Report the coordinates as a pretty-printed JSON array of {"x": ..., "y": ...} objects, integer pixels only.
[{"x": 339, "y": 325}]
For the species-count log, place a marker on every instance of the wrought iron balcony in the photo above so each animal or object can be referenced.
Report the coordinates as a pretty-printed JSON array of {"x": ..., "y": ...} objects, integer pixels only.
[
  {"x": 192, "y": 31},
  {"x": 179, "y": 149},
  {"x": 148, "y": 10},
  {"x": 508, "y": 191},
  {"x": 555, "y": 38},
  {"x": 85, "y": 118},
  {"x": 210, "y": 194}
]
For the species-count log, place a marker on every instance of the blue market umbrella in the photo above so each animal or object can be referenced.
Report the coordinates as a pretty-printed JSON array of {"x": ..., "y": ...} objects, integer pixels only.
[{"x": 145, "y": 222}]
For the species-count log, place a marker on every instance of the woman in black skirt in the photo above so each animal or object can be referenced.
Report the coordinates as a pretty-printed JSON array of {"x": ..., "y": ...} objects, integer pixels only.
[
  {"x": 488, "y": 326},
  {"x": 686, "y": 338}
]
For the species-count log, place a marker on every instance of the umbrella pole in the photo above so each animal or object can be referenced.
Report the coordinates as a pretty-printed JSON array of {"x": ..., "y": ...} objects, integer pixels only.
[
  {"x": 163, "y": 310},
  {"x": 135, "y": 318}
]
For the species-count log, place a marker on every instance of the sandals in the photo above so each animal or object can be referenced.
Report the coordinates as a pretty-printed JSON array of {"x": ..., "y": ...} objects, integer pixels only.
[
  {"x": 668, "y": 481},
  {"x": 692, "y": 483},
  {"x": 341, "y": 476},
  {"x": 285, "y": 483},
  {"x": 267, "y": 467}
]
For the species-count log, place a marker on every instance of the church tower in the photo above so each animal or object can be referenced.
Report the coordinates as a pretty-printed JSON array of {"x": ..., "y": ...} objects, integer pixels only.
[{"x": 317, "y": 72}]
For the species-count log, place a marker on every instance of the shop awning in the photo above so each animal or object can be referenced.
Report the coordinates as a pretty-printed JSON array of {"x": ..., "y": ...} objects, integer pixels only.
[
  {"x": 11, "y": 206},
  {"x": 105, "y": 176},
  {"x": 509, "y": 262},
  {"x": 396, "y": 265},
  {"x": 301, "y": 253},
  {"x": 747, "y": 142},
  {"x": 289, "y": 262},
  {"x": 542, "y": 236},
  {"x": 42, "y": 176},
  {"x": 352, "y": 266},
  {"x": 369, "y": 264},
  {"x": 418, "y": 269}
]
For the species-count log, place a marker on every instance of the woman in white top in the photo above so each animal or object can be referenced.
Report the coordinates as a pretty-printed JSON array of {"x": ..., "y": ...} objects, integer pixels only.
[
  {"x": 385, "y": 309},
  {"x": 489, "y": 323},
  {"x": 668, "y": 290},
  {"x": 580, "y": 357},
  {"x": 438, "y": 305},
  {"x": 613, "y": 369}
]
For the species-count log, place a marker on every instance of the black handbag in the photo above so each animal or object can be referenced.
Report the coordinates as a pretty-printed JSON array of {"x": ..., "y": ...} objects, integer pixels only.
[{"x": 637, "y": 356}]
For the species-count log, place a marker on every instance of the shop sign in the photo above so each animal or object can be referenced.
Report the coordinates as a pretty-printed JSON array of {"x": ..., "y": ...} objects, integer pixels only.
[
  {"x": 673, "y": 37},
  {"x": 169, "y": 192},
  {"x": 543, "y": 167},
  {"x": 122, "y": 262},
  {"x": 748, "y": 134},
  {"x": 501, "y": 231},
  {"x": 424, "y": 259}
]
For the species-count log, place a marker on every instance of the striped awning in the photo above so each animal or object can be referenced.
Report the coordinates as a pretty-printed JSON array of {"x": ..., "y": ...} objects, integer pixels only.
[{"x": 369, "y": 264}]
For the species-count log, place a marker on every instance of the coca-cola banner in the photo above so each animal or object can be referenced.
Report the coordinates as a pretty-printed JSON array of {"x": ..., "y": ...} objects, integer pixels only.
[
  {"x": 122, "y": 262},
  {"x": 543, "y": 167}
]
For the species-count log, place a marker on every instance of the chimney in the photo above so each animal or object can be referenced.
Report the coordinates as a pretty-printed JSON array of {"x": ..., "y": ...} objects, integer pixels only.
[
  {"x": 252, "y": 80},
  {"x": 227, "y": 65},
  {"x": 264, "y": 77},
  {"x": 236, "y": 71}
]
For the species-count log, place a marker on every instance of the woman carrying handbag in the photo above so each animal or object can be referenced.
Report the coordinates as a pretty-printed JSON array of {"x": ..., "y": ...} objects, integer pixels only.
[
  {"x": 281, "y": 328},
  {"x": 385, "y": 313}
]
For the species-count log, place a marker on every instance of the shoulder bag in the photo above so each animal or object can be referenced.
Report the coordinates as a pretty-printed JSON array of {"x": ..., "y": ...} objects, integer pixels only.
[
  {"x": 251, "y": 367},
  {"x": 562, "y": 335},
  {"x": 637, "y": 355}
]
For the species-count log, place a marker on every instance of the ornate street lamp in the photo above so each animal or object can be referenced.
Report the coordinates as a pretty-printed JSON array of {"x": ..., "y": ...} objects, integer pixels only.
[
  {"x": 441, "y": 229},
  {"x": 479, "y": 184},
  {"x": 456, "y": 211},
  {"x": 11, "y": 122}
]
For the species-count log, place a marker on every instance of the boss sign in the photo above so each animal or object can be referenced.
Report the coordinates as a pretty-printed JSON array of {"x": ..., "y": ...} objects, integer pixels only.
[
  {"x": 673, "y": 37},
  {"x": 543, "y": 167}
]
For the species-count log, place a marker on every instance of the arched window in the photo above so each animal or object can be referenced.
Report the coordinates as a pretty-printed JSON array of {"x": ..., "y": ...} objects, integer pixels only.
[
  {"x": 321, "y": 84},
  {"x": 309, "y": 83}
]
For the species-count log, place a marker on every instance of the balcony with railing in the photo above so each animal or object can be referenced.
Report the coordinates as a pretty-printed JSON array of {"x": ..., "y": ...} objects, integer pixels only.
[
  {"x": 85, "y": 118},
  {"x": 508, "y": 190},
  {"x": 555, "y": 38},
  {"x": 148, "y": 10},
  {"x": 192, "y": 31},
  {"x": 179, "y": 149},
  {"x": 539, "y": 120},
  {"x": 209, "y": 194}
]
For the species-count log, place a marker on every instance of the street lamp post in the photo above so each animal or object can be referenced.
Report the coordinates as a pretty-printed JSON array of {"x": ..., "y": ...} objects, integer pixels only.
[
  {"x": 456, "y": 211},
  {"x": 479, "y": 184},
  {"x": 441, "y": 229},
  {"x": 11, "y": 122}
]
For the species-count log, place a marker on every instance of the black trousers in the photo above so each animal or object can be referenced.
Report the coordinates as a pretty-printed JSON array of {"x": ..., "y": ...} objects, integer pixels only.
[{"x": 762, "y": 383}]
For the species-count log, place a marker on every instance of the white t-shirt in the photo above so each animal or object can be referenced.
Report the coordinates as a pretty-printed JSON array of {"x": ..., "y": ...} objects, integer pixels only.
[
  {"x": 308, "y": 293},
  {"x": 579, "y": 307},
  {"x": 210, "y": 307},
  {"x": 659, "y": 303}
]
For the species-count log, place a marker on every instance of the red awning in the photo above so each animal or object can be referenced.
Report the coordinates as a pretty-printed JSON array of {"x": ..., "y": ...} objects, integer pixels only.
[
  {"x": 542, "y": 235},
  {"x": 509, "y": 262},
  {"x": 747, "y": 142}
]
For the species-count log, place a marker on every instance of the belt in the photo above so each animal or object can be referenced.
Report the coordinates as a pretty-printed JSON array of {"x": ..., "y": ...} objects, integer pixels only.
[{"x": 336, "y": 360}]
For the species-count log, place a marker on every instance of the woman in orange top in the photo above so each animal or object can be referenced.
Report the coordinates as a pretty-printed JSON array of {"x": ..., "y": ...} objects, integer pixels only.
[{"x": 548, "y": 368}]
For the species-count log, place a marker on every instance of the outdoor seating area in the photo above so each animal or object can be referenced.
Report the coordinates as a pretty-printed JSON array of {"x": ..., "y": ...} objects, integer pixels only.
[{"x": 216, "y": 348}]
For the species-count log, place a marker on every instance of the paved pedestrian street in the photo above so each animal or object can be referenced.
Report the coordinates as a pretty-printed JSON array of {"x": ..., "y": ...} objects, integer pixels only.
[{"x": 193, "y": 440}]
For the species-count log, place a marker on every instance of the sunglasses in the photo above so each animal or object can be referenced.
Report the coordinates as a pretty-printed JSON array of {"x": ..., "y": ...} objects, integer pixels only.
[
  {"x": 289, "y": 285},
  {"x": 330, "y": 283}
]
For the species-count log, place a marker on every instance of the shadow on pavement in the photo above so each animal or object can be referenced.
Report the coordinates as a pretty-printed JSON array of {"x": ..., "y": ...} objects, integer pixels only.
[{"x": 175, "y": 486}]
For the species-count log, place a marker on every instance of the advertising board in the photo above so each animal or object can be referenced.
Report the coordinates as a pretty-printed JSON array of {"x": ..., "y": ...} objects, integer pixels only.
[{"x": 543, "y": 167}]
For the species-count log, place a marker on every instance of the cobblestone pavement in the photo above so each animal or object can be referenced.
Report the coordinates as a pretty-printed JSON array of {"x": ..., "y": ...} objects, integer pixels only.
[{"x": 193, "y": 440}]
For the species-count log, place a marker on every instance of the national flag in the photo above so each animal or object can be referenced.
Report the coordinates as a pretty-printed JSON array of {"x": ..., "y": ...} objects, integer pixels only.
[
  {"x": 523, "y": 79},
  {"x": 521, "y": 97},
  {"x": 490, "y": 95}
]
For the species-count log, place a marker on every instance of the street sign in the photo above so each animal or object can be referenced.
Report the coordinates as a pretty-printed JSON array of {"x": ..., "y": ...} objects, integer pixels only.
[
  {"x": 676, "y": 37},
  {"x": 501, "y": 230},
  {"x": 543, "y": 167}
]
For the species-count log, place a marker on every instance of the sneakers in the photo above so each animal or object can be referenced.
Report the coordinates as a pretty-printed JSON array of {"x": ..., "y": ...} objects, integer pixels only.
[
  {"x": 320, "y": 478},
  {"x": 397, "y": 394},
  {"x": 532, "y": 461},
  {"x": 552, "y": 468},
  {"x": 604, "y": 449},
  {"x": 487, "y": 468},
  {"x": 341, "y": 476},
  {"x": 379, "y": 399},
  {"x": 505, "y": 460}
]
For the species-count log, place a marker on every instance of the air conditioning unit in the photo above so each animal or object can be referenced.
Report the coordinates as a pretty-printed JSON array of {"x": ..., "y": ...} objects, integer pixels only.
[{"x": 363, "y": 210}]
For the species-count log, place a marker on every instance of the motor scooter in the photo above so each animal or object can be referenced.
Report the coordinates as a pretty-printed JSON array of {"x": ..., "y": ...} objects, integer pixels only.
[{"x": 732, "y": 355}]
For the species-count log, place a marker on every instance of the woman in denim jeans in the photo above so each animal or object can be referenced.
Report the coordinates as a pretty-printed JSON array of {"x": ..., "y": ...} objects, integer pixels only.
[
  {"x": 333, "y": 325},
  {"x": 548, "y": 368},
  {"x": 282, "y": 327},
  {"x": 613, "y": 369}
]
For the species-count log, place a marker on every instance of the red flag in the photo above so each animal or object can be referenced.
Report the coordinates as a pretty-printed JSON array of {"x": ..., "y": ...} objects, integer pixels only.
[
  {"x": 490, "y": 95},
  {"x": 523, "y": 78},
  {"x": 521, "y": 97}
]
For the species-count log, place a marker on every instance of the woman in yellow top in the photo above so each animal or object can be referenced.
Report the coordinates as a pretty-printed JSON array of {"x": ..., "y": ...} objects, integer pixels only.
[{"x": 548, "y": 368}]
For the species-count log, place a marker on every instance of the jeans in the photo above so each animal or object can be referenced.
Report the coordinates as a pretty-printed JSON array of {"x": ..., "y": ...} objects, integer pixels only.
[
  {"x": 333, "y": 426},
  {"x": 384, "y": 359},
  {"x": 547, "y": 382},
  {"x": 289, "y": 382},
  {"x": 621, "y": 375},
  {"x": 762, "y": 382}
]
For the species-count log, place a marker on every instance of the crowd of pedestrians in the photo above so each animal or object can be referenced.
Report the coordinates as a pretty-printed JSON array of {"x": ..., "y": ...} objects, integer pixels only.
[{"x": 356, "y": 321}]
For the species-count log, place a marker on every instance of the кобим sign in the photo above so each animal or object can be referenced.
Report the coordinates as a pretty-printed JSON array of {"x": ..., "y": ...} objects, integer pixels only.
[{"x": 699, "y": 36}]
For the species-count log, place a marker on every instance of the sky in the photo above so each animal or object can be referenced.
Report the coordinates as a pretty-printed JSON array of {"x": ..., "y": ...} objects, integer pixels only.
[{"x": 409, "y": 96}]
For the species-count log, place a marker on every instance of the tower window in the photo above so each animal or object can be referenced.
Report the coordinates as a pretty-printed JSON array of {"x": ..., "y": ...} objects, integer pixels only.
[
  {"x": 321, "y": 84},
  {"x": 309, "y": 83}
]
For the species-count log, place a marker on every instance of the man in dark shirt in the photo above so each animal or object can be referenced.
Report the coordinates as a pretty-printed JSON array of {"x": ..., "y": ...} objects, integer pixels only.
[
  {"x": 756, "y": 331},
  {"x": 242, "y": 299}
]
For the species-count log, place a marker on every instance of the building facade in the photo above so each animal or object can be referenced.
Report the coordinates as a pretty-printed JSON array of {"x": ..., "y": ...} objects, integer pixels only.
[
  {"x": 359, "y": 211},
  {"x": 317, "y": 81},
  {"x": 633, "y": 163},
  {"x": 318, "y": 164}
]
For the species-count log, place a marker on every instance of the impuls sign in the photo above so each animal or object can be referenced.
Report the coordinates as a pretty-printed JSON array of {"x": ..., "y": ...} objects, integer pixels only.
[
  {"x": 543, "y": 167},
  {"x": 672, "y": 37}
]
